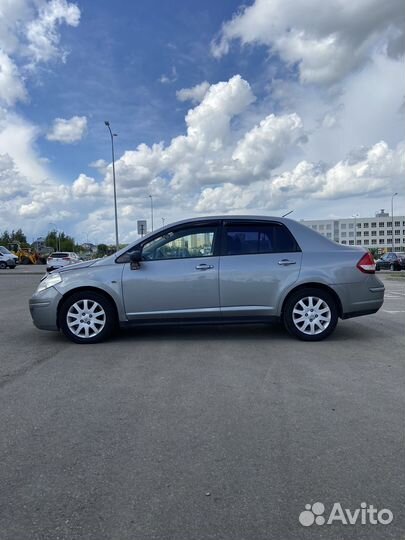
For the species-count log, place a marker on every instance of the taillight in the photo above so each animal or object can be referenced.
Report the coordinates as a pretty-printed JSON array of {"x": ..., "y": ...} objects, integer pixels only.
[
  {"x": 367, "y": 264},
  {"x": 50, "y": 258},
  {"x": 66, "y": 258}
]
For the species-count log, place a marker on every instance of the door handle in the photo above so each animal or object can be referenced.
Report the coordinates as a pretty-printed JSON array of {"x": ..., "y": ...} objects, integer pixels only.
[
  {"x": 286, "y": 262},
  {"x": 204, "y": 266}
]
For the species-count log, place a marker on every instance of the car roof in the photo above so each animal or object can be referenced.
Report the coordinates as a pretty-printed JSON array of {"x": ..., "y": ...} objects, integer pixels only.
[{"x": 307, "y": 238}]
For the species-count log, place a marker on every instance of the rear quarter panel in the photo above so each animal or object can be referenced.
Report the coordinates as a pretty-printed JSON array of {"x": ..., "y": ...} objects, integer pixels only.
[{"x": 334, "y": 265}]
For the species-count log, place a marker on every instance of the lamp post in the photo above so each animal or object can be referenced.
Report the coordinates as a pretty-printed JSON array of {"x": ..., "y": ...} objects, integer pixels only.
[
  {"x": 163, "y": 221},
  {"x": 112, "y": 135},
  {"x": 392, "y": 217},
  {"x": 355, "y": 216},
  {"x": 151, "y": 211}
]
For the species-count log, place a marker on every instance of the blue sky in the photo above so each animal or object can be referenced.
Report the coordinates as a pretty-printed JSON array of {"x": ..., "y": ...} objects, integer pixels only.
[
  {"x": 256, "y": 108},
  {"x": 117, "y": 57}
]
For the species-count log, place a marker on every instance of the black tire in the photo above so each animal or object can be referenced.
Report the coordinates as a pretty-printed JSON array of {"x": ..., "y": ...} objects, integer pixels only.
[
  {"x": 327, "y": 301},
  {"x": 106, "y": 315},
  {"x": 377, "y": 268},
  {"x": 25, "y": 260},
  {"x": 3, "y": 265}
]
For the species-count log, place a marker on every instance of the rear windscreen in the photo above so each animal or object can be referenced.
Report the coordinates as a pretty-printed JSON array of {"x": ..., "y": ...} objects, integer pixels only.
[{"x": 59, "y": 255}]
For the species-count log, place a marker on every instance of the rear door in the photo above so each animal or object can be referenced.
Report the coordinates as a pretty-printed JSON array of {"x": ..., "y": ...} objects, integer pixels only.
[{"x": 259, "y": 260}]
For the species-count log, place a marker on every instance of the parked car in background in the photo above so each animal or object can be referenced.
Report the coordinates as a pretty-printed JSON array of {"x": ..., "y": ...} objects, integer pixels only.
[
  {"x": 7, "y": 261},
  {"x": 60, "y": 259},
  {"x": 231, "y": 269},
  {"x": 391, "y": 261},
  {"x": 5, "y": 251}
]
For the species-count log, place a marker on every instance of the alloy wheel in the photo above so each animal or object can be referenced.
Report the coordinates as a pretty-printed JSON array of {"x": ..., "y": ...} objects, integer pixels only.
[
  {"x": 86, "y": 318},
  {"x": 311, "y": 315}
]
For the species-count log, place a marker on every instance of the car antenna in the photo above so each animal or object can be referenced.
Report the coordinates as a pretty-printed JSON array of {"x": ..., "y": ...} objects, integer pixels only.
[{"x": 288, "y": 213}]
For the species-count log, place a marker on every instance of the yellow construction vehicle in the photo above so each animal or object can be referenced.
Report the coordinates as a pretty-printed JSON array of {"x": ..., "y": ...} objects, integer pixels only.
[{"x": 25, "y": 255}]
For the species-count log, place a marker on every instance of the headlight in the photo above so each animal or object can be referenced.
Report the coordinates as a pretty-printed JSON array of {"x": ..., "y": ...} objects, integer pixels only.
[{"x": 49, "y": 281}]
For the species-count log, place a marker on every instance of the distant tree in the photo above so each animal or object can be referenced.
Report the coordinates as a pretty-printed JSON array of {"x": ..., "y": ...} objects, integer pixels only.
[
  {"x": 5, "y": 238},
  {"x": 19, "y": 236},
  {"x": 51, "y": 240},
  {"x": 102, "y": 250},
  {"x": 60, "y": 241}
]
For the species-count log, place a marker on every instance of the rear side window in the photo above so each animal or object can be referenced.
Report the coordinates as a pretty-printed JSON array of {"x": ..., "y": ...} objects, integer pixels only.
[{"x": 245, "y": 239}]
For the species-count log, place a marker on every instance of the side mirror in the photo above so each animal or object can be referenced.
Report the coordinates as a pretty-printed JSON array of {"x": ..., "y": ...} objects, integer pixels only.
[{"x": 136, "y": 258}]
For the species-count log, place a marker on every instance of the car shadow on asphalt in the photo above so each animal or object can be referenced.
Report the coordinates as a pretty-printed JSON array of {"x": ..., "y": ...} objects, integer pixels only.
[{"x": 248, "y": 332}]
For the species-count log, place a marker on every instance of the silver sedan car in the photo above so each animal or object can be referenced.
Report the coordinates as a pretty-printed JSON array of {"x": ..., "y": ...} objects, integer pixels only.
[{"x": 229, "y": 269}]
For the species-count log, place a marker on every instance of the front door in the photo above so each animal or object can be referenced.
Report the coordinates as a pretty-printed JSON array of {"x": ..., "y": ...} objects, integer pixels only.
[{"x": 178, "y": 276}]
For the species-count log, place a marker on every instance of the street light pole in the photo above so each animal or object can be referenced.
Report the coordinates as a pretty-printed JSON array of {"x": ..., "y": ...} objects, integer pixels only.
[
  {"x": 163, "y": 221},
  {"x": 392, "y": 217},
  {"x": 151, "y": 211},
  {"x": 355, "y": 228},
  {"x": 112, "y": 135}
]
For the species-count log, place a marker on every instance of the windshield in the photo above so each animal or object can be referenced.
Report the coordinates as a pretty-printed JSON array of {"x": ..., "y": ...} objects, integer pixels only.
[{"x": 4, "y": 250}]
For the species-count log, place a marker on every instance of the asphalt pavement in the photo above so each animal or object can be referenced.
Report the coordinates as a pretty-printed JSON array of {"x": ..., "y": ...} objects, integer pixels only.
[{"x": 199, "y": 433}]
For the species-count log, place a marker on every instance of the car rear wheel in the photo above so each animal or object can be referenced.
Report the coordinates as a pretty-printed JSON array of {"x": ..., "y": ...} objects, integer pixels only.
[
  {"x": 87, "y": 317},
  {"x": 3, "y": 265},
  {"x": 310, "y": 314}
]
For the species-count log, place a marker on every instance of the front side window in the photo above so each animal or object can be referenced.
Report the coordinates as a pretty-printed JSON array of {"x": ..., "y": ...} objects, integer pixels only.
[
  {"x": 181, "y": 244},
  {"x": 245, "y": 239}
]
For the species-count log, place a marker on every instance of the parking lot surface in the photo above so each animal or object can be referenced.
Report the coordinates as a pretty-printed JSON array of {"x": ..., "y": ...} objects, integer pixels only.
[{"x": 199, "y": 433}]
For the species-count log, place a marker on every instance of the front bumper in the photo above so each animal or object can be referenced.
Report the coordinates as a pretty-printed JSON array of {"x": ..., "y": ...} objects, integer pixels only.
[{"x": 44, "y": 309}]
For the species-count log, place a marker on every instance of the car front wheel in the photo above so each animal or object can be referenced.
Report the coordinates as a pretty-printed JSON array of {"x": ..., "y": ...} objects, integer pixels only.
[
  {"x": 87, "y": 317},
  {"x": 310, "y": 314}
]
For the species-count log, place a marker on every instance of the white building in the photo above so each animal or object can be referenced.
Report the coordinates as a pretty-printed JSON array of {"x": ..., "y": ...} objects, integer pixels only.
[{"x": 369, "y": 232}]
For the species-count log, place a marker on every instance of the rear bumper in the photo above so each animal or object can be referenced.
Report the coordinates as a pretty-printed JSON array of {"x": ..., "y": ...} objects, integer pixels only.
[
  {"x": 361, "y": 298},
  {"x": 359, "y": 313}
]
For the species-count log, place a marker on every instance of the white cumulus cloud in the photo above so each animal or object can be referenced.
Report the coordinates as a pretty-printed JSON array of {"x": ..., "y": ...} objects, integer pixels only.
[
  {"x": 85, "y": 186},
  {"x": 12, "y": 88},
  {"x": 68, "y": 131},
  {"x": 42, "y": 32},
  {"x": 327, "y": 40},
  {"x": 194, "y": 94}
]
